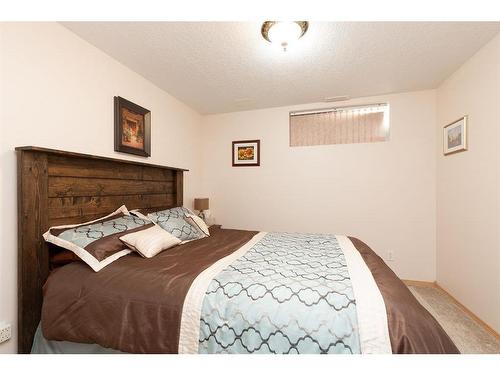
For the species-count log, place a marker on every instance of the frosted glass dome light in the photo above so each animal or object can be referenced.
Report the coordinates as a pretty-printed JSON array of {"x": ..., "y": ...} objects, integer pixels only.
[{"x": 283, "y": 33}]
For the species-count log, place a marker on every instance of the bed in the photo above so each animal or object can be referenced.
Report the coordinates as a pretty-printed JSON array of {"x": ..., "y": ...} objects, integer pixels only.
[{"x": 237, "y": 291}]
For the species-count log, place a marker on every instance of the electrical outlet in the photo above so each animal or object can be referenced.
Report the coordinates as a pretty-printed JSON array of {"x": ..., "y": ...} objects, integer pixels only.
[
  {"x": 390, "y": 256},
  {"x": 5, "y": 331}
]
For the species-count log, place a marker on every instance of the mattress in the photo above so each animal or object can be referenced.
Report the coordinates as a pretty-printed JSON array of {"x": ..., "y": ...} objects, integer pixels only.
[{"x": 241, "y": 292}]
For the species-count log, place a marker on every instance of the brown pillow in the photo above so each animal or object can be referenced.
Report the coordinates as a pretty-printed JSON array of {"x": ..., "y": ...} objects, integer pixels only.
[{"x": 63, "y": 257}]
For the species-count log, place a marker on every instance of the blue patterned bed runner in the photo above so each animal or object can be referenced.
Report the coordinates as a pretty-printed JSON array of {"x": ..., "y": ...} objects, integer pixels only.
[{"x": 290, "y": 293}]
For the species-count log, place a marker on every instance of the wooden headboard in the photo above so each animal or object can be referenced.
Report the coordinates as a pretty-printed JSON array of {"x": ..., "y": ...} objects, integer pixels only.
[{"x": 59, "y": 187}]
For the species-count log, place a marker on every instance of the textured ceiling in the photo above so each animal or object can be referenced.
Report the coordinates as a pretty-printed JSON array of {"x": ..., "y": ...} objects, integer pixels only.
[{"x": 219, "y": 67}]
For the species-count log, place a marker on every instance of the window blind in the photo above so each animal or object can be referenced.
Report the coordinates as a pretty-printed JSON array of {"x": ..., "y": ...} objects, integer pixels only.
[{"x": 360, "y": 124}]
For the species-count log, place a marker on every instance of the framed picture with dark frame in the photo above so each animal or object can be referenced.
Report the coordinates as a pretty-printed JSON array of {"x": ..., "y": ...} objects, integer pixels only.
[
  {"x": 132, "y": 128},
  {"x": 455, "y": 136},
  {"x": 246, "y": 153}
]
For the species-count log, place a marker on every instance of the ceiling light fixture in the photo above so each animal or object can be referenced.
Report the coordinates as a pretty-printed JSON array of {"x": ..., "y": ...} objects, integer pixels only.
[{"x": 283, "y": 33}]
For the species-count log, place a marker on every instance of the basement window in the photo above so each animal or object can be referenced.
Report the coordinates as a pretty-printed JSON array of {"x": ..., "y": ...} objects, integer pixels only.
[{"x": 353, "y": 124}]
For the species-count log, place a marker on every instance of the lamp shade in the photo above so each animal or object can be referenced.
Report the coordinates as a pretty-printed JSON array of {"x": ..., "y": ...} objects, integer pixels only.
[{"x": 201, "y": 204}]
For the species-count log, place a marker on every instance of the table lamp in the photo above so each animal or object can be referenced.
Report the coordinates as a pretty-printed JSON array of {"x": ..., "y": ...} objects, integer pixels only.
[{"x": 201, "y": 204}]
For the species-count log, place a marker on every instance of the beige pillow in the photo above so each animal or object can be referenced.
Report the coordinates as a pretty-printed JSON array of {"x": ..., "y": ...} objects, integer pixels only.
[
  {"x": 151, "y": 241},
  {"x": 198, "y": 221}
]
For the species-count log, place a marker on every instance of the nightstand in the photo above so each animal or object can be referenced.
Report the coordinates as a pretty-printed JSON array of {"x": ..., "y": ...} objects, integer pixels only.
[
  {"x": 215, "y": 226},
  {"x": 210, "y": 220}
]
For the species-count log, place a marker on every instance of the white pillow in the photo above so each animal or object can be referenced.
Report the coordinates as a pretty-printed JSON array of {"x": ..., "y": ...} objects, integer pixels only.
[
  {"x": 198, "y": 221},
  {"x": 151, "y": 241}
]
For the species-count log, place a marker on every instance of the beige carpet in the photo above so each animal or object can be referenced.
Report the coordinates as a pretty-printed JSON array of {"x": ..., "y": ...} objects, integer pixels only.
[{"x": 468, "y": 336}]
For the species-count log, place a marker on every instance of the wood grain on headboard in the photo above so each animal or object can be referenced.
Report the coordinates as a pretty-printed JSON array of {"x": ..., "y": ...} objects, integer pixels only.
[{"x": 59, "y": 187}]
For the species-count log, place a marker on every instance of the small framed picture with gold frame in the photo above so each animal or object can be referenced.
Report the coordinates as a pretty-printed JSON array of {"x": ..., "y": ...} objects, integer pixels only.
[{"x": 455, "y": 136}]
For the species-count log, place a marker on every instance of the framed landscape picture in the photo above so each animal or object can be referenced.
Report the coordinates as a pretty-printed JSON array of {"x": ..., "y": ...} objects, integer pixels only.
[
  {"x": 455, "y": 136},
  {"x": 246, "y": 153},
  {"x": 132, "y": 128}
]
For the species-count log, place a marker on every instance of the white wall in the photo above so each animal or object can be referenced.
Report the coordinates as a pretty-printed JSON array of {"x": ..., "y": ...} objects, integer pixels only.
[
  {"x": 56, "y": 91},
  {"x": 383, "y": 193},
  {"x": 468, "y": 187}
]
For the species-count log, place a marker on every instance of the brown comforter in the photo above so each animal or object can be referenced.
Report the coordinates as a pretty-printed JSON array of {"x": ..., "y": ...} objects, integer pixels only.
[
  {"x": 135, "y": 304},
  {"x": 412, "y": 328}
]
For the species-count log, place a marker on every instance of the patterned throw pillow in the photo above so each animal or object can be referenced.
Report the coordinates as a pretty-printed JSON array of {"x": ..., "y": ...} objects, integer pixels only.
[
  {"x": 198, "y": 222},
  {"x": 97, "y": 242},
  {"x": 175, "y": 225},
  {"x": 173, "y": 220}
]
